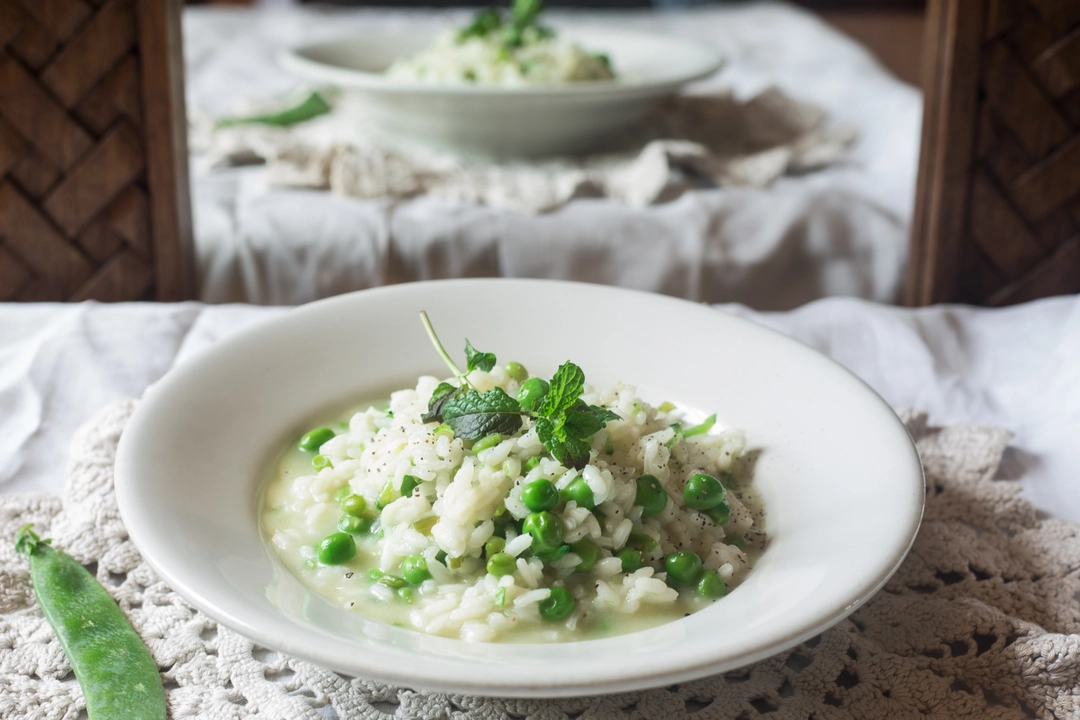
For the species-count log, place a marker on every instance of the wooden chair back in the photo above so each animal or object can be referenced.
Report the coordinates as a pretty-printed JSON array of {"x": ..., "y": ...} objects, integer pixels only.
[
  {"x": 93, "y": 152},
  {"x": 997, "y": 217}
]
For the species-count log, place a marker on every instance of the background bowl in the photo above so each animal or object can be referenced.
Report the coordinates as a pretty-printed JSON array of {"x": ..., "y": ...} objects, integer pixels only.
[
  {"x": 840, "y": 477},
  {"x": 497, "y": 121}
]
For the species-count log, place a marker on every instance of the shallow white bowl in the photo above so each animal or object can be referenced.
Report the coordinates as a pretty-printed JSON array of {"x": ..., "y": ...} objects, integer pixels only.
[
  {"x": 841, "y": 480},
  {"x": 497, "y": 121}
]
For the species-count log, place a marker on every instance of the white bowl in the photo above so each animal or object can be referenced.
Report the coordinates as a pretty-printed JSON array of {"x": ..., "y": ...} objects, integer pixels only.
[
  {"x": 498, "y": 121},
  {"x": 840, "y": 477}
]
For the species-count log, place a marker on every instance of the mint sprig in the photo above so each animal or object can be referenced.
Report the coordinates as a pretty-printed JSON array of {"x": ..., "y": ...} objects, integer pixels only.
[{"x": 564, "y": 423}]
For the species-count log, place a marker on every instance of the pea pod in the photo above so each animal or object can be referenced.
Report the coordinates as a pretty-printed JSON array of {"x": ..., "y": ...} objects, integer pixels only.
[{"x": 118, "y": 677}]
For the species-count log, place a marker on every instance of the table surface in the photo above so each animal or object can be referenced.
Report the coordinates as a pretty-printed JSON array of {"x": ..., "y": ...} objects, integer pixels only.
[
  {"x": 1013, "y": 367},
  {"x": 841, "y": 231}
]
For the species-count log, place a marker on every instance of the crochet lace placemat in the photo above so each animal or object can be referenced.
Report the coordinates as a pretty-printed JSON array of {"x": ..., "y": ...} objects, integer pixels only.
[{"x": 981, "y": 621}]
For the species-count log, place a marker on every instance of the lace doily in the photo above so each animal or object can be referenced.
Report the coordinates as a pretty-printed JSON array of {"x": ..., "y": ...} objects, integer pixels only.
[
  {"x": 981, "y": 621},
  {"x": 687, "y": 141}
]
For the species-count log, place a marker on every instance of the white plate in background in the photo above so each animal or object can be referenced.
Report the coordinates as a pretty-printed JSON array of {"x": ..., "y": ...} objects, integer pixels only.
[{"x": 507, "y": 122}]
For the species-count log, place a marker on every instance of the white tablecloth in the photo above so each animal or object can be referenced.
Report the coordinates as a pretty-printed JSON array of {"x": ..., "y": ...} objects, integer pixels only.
[
  {"x": 1014, "y": 367},
  {"x": 839, "y": 231}
]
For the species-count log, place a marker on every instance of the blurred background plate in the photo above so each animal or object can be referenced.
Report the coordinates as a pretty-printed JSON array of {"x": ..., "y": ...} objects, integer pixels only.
[{"x": 505, "y": 122}]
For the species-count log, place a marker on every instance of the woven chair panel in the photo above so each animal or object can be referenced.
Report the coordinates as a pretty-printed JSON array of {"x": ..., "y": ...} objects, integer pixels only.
[
  {"x": 74, "y": 217},
  {"x": 1023, "y": 212}
]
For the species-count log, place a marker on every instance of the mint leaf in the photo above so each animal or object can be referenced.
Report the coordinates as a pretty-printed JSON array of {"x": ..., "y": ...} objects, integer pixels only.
[
  {"x": 473, "y": 415},
  {"x": 485, "y": 22},
  {"x": 439, "y": 397},
  {"x": 604, "y": 415},
  {"x": 580, "y": 423},
  {"x": 525, "y": 12},
  {"x": 571, "y": 452},
  {"x": 566, "y": 387},
  {"x": 476, "y": 359},
  {"x": 545, "y": 430}
]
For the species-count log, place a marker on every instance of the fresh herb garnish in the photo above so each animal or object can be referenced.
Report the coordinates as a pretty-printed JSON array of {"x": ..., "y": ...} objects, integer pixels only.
[
  {"x": 486, "y": 21},
  {"x": 439, "y": 397},
  {"x": 473, "y": 415},
  {"x": 564, "y": 423},
  {"x": 524, "y": 15},
  {"x": 476, "y": 359}
]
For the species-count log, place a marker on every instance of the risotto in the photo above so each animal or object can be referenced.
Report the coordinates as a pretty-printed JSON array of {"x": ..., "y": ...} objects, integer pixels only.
[
  {"x": 507, "y": 51},
  {"x": 500, "y": 506}
]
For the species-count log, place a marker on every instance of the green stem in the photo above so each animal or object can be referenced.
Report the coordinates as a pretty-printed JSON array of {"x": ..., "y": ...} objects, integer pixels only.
[{"x": 442, "y": 351}]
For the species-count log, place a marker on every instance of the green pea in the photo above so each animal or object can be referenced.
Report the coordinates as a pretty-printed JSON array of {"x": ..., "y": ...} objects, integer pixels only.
[
  {"x": 354, "y": 504},
  {"x": 517, "y": 371},
  {"x": 354, "y": 525},
  {"x": 118, "y": 676},
  {"x": 408, "y": 484},
  {"x": 488, "y": 441},
  {"x": 720, "y": 514},
  {"x": 532, "y": 393},
  {"x": 406, "y": 594},
  {"x": 337, "y": 548},
  {"x": 540, "y": 495},
  {"x": 702, "y": 492},
  {"x": 580, "y": 492},
  {"x": 375, "y": 574},
  {"x": 316, "y": 439},
  {"x": 651, "y": 496},
  {"x": 683, "y": 567},
  {"x": 414, "y": 569},
  {"x": 589, "y": 554},
  {"x": 711, "y": 586},
  {"x": 631, "y": 559},
  {"x": 558, "y": 605},
  {"x": 501, "y": 564},
  {"x": 546, "y": 530},
  {"x": 641, "y": 541},
  {"x": 321, "y": 461},
  {"x": 494, "y": 545},
  {"x": 392, "y": 581},
  {"x": 531, "y": 463}
]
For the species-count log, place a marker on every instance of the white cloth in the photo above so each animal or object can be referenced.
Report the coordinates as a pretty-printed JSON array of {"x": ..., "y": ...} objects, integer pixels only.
[
  {"x": 687, "y": 142},
  {"x": 842, "y": 230},
  {"x": 1015, "y": 368}
]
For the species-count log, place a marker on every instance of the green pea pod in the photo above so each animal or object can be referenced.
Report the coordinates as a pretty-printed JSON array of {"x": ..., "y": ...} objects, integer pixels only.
[
  {"x": 312, "y": 106},
  {"x": 118, "y": 677}
]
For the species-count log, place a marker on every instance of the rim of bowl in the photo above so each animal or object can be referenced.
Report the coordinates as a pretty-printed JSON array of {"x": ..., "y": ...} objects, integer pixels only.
[{"x": 294, "y": 60}]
